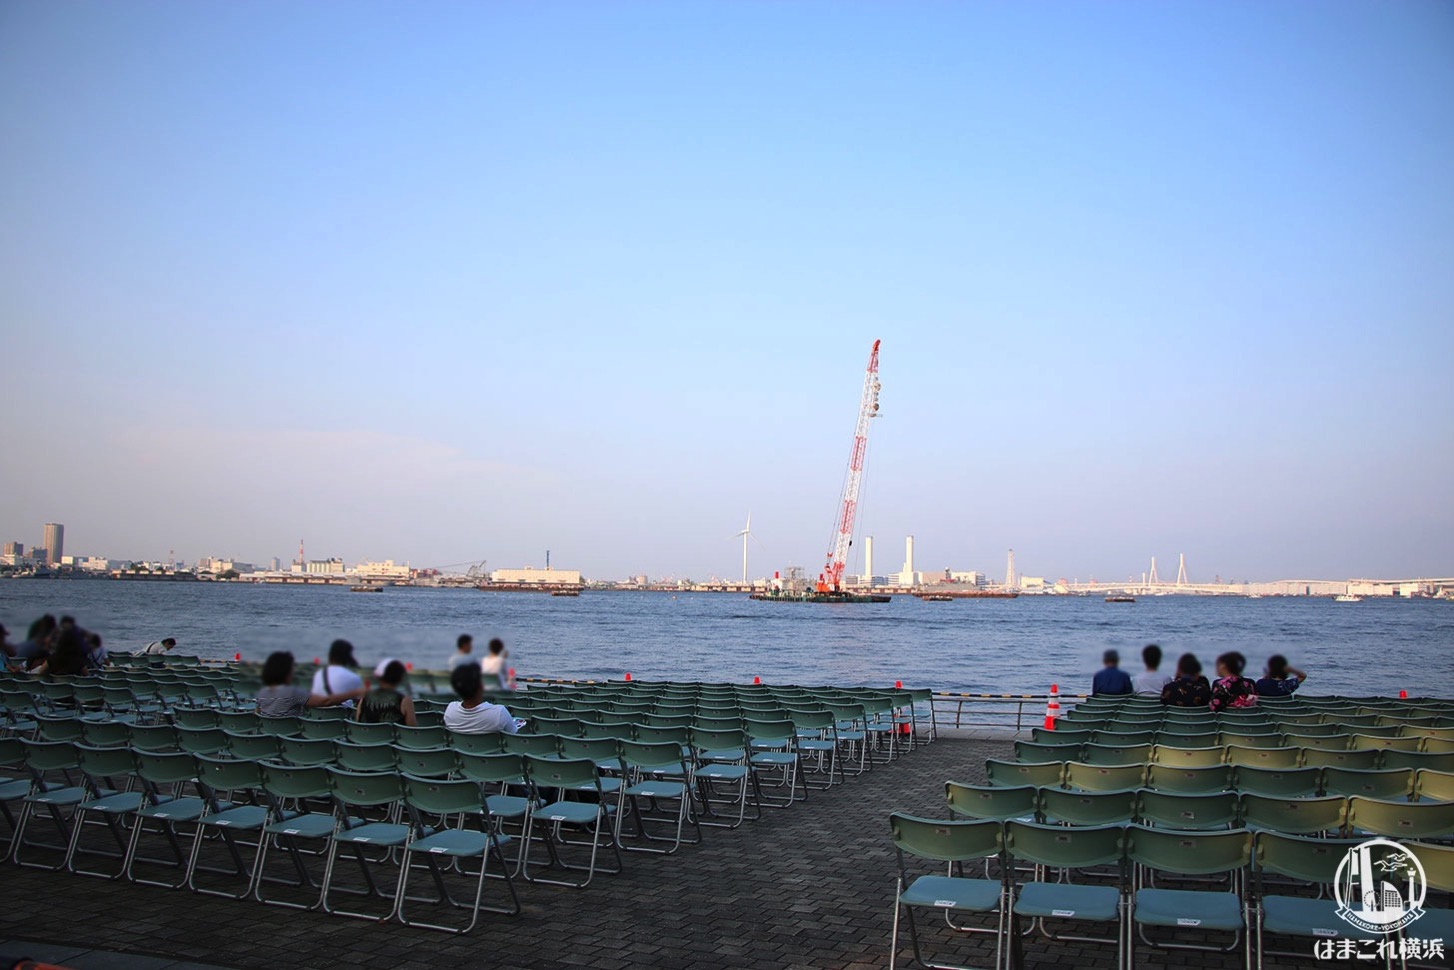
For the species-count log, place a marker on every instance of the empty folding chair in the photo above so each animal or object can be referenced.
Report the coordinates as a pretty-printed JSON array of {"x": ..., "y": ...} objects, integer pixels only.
[
  {"x": 1012, "y": 775},
  {"x": 1073, "y": 851},
  {"x": 773, "y": 754},
  {"x": 1433, "y": 786},
  {"x": 427, "y": 762},
  {"x": 722, "y": 769},
  {"x": 1086, "y": 777},
  {"x": 657, "y": 773},
  {"x": 1217, "y": 810},
  {"x": 292, "y": 823},
  {"x": 1189, "y": 781},
  {"x": 164, "y": 776},
  {"x": 508, "y": 796},
  {"x": 224, "y": 783},
  {"x": 57, "y": 798},
  {"x": 579, "y": 803},
  {"x": 1314, "y": 861},
  {"x": 940, "y": 843},
  {"x": 991, "y": 802},
  {"x": 359, "y": 792},
  {"x": 1197, "y": 854}
]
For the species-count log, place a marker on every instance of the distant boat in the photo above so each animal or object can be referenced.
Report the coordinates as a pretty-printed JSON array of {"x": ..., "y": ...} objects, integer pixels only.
[
  {"x": 936, "y": 597},
  {"x": 1120, "y": 599},
  {"x": 366, "y": 589},
  {"x": 565, "y": 592},
  {"x": 1347, "y": 598}
]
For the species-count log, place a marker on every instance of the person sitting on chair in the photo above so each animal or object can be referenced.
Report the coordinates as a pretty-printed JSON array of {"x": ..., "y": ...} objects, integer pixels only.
[{"x": 472, "y": 714}]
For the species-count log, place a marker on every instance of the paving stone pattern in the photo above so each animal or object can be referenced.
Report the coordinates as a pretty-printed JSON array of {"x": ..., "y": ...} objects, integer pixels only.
[{"x": 809, "y": 886}]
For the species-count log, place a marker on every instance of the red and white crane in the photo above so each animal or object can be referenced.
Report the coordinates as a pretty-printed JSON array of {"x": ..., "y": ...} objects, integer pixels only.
[{"x": 831, "y": 579}]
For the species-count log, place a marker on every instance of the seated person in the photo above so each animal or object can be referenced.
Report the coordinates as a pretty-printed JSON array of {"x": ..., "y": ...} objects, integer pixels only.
[
  {"x": 1111, "y": 679},
  {"x": 463, "y": 647},
  {"x": 496, "y": 667},
  {"x": 1153, "y": 679},
  {"x": 386, "y": 703},
  {"x": 338, "y": 677},
  {"x": 1231, "y": 690},
  {"x": 1280, "y": 679},
  {"x": 1189, "y": 688},
  {"x": 279, "y": 698},
  {"x": 472, "y": 714}
]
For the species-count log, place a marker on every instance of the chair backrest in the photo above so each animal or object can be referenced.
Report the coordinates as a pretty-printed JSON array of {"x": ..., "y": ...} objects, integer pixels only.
[
  {"x": 1088, "y": 807},
  {"x": 1285, "y": 783},
  {"x": 420, "y": 737},
  {"x": 1189, "y": 853},
  {"x": 1116, "y": 754},
  {"x": 1065, "y": 847},
  {"x": 674, "y": 733},
  {"x": 165, "y": 767},
  {"x": 1401, "y": 819},
  {"x": 597, "y": 749},
  {"x": 105, "y": 763},
  {"x": 106, "y": 734},
  {"x": 488, "y": 743},
  {"x": 364, "y": 733},
  {"x": 296, "y": 781},
  {"x": 944, "y": 841},
  {"x": 1012, "y": 775},
  {"x": 255, "y": 747},
  {"x": 562, "y": 773},
  {"x": 439, "y": 796},
  {"x": 1192, "y": 781},
  {"x": 1301, "y": 816},
  {"x": 530, "y": 744},
  {"x": 1365, "y": 760},
  {"x": 1310, "y": 860},
  {"x": 325, "y": 730},
  {"x": 1186, "y": 812},
  {"x": 280, "y": 726},
  {"x": 1032, "y": 753},
  {"x": 228, "y": 774},
  {"x": 427, "y": 762},
  {"x": 365, "y": 757},
  {"x": 652, "y": 755},
  {"x": 492, "y": 769},
  {"x": 989, "y": 801},
  {"x": 1392, "y": 784},
  {"x": 307, "y": 751},
  {"x": 1434, "y": 786},
  {"x": 1438, "y": 863},
  {"x": 364, "y": 788},
  {"x": 1174, "y": 755},
  {"x": 770, "y": 731},
  {"x": 42, "y": 756},
  {"x": 1104, "y": 777},
  {"x": 1263, "y": 757}
]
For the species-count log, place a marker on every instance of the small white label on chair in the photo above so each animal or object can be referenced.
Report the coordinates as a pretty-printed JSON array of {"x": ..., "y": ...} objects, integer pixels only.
[
  {"x": 1062, "y": 912},
  {"x": 357, "y": 839},
  {"x": 291, "y": 831},
  {"x": 1184, "y": 921},
  {"x": 557, "y": 818},
  {"x": 438, "y": 848},
  {"x": 945, "y": 903}
]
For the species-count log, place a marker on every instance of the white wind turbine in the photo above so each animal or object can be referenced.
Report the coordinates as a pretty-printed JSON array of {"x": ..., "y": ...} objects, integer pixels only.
[{"x": 745, "y": 534}]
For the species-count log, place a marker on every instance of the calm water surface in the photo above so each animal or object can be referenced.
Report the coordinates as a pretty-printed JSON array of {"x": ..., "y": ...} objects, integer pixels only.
[{"x": 988, "y": 645}]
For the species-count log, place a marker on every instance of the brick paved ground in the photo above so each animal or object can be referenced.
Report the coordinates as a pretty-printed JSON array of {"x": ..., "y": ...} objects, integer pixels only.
[{"x": 810, "y": 886}]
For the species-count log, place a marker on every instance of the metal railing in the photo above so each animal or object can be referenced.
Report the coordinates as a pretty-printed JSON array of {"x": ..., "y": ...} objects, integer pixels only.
[{"x": 1006, "y": 711}]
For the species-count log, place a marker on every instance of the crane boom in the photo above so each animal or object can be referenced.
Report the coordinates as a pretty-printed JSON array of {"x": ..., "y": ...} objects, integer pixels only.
[{"x": 832, "y": 577}]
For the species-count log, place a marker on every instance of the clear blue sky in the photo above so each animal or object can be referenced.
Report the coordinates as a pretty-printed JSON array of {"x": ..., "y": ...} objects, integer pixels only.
[{"x": 457, "y": 281}]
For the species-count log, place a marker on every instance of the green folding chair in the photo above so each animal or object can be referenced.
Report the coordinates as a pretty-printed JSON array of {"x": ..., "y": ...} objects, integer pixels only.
[
  {"x": 1401, "y": 819},
  {"x": 1397, "y": 783},
  {"x": 365, "y": 757},
  {"x": 1087, "y": 808},
  {"x": 511, "y": 800},
  {"x": 1438, "y": 864},
  {"x": 164, "y": 776},
  {"x": 722, "y": 769},
  {"x": 1433, "y": 786},
  {"x": 1043, "y": 899},
  {"x": 773, "y": 755},
  {"x": 1031, "y": 753},
  {"x": 431, "y": 804},
  {"x": 1283, "y": 758},
  {"x": 657, "y": 773},
  {"x": 951, "y": 844},
  {"x": 992, "y": 802},
  {"x": 1306, "y": 860},
  {"x": 1417, "y": 760},
  {"x": 110, "y": 795},
  {"x": 1087, "y": 777},
  {"x": 290, "y": 788},
  {"x": 363, "y": 792},
  {"x": 1191, "y": 854},
  {"x": 579, "y": 803},
  {"x": 1115, "y": 754},
  {"x": 1365, "y": 760},
  {"x": 226, "y": 819},
  {"x": 418, "y": 738},
  {"x": 44, "y": 759},
  {"x": 307, "y": 751},
  {"x": 489, "y": 743}
]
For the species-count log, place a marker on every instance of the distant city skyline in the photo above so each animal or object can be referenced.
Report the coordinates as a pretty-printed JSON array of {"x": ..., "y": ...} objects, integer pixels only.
[{"x": 448, "y": 283}]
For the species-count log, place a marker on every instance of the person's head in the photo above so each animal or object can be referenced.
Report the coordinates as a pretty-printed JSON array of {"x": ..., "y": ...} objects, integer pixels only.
[
  {"x": 1230, "y": 664},
  {"x": 465, "y": 643},
  {"x": 68, "y": 623},
  {"x": 1277, "y": 666},
  {"x": 1112, "y": 658},
  {"x": 1151, "y": 656},
  {"x": 41, "y": 628},
  {"x": 497, "y": 647},
  {"x": 340, "y": 654},
  {"x": 1188, "y": 666},
  {"x": 278, "y": 669},
  {"x": 94, "y": 640},
  {"x": 468, "y": 682},
  {"x": 393, "y": 674},
  {"x": 70, "y": 648},
  {"x": 169, "y": 643}
]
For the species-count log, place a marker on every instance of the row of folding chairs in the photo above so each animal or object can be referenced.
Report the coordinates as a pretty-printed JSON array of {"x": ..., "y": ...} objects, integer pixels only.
[
  {"x": 1196, "y": 735},
  {"x": 1364, "y": 753},
  {"x": 1326, "y": 814},
  {"x": 1421, "y": 784},
  {"x": 1131, "y": 879}
]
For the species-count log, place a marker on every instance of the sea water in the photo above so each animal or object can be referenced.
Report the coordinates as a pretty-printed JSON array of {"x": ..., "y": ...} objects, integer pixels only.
[{"x": 1022, "y": 645}]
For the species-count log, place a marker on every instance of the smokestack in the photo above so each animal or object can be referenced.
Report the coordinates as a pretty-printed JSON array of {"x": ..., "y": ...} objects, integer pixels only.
[
  {"x": 909, "y": 556},
  {"x": 868, "y": 559}
]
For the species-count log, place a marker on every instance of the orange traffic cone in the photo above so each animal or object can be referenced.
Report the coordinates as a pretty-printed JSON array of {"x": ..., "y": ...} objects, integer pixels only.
[{"x": 1052, "y": 707}]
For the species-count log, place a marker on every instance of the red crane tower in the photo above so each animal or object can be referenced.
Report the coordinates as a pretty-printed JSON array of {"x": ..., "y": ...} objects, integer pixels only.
[{"x": 831, "y": 579}]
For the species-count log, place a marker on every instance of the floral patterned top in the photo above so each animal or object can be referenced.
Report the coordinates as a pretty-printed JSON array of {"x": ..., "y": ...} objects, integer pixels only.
[
  {"x": 1233, "y": 692},
  {"x": 1187, "y": 692}
]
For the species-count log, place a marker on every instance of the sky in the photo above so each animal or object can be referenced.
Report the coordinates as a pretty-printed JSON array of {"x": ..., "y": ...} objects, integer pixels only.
[{"x": 450, "y": 282}]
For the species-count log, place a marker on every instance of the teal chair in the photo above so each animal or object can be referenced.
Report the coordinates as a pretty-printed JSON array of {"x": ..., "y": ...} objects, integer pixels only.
[
  {"x": 1311, "y": 861},
  {"x": 358, "y": 792},
  {"x": 578, "y": 802},
  {"x": 110, "y": 794},
  {"x": 941, "y": 844},
  {"x": 658, "y": 774},
  {"x": 164, "y": 776},
  {"x": 44, "y": 759},
  {"x": 1044, "y": 899},
  {"x": 234, "y": 819},
  {"x": 289, "y": 788},
  {"x": 1155, "y": 908}
]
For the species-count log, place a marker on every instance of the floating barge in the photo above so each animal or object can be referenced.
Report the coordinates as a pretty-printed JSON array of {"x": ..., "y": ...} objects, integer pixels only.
[
  {"x": 967, "y": 594},
  {"x": 824, "y": 597}
]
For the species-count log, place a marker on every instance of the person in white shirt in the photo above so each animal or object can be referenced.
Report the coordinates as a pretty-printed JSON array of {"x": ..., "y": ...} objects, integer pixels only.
[
  {"x": 496, "y": 667},
  {"x": 338, "y": 677},
  {"x": 465, "y": 645},
  {"x": 159, "y": 648},
  {"x": 472, "y": 714},
  {"x": 1153, "y": 679}
]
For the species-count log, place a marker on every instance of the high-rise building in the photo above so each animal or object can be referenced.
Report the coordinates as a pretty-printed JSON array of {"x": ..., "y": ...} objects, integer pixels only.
[
  {"x": 908, "y": 577},
  {"x": 15, "y": 549},
  {"x": 55, "y": 538}
]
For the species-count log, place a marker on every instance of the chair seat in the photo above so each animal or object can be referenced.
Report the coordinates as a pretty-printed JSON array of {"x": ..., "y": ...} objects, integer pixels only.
[
  {"x": 774, "y": 758},
  {"x": 574, "y": 813},
  {"x": 722, "y": 772},
  {"x": 176, "y": 809},
  {"x": 374, "y": 833},
  {"x": 61, "y": 797},
  {"x": 951, "y": 892},
  {"x": 507, "y": 806},
  {"x": 245, "y": 817},
  {"x": 724, "y": 754},
  {"x": 816, "y": 745},
  {"x": 1101, "y": 903},
  {"x": 1298, "y": 916},
  {"x": 1189, "y": 907},
  {"x": 13, "y": 788},
  {"x": 657, "y": 789},
  {"x": 314, "y": 825},
  {"x": 121, "y": 803},
  {"x": 460, "y": 843}
]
